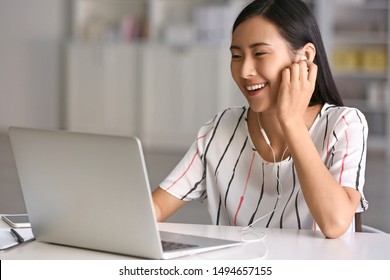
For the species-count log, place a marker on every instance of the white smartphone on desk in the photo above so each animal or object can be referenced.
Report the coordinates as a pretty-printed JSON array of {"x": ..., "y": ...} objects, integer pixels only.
[{"x": 17, "y": 220}]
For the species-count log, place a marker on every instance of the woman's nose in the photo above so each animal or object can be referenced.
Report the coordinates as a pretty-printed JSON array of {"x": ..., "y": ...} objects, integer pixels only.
[{"x": 248, "y": 68}]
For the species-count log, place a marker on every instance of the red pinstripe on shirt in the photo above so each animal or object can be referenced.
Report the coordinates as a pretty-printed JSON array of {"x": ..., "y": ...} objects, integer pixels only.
[
  {"x": 243, "y": 194},
  {"x": 192, "y": 161},
  {"x": 346, "y": 151}
]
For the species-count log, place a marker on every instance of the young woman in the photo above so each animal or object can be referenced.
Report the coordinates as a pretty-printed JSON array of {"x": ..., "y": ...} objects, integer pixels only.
[{"x": 295, "y": 157}]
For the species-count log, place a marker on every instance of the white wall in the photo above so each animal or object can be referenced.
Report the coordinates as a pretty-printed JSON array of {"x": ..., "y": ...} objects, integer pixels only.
[
  {"x": 31, "y": 33},
  {"x": 31, "y": 36}
]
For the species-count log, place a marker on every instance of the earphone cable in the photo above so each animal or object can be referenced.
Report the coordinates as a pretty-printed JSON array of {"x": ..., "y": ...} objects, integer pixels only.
[{"x": 277, "y": 175}]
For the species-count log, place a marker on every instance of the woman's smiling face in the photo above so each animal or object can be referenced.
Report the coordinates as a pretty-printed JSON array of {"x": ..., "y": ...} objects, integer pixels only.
[{"x": 259, "y": 54}]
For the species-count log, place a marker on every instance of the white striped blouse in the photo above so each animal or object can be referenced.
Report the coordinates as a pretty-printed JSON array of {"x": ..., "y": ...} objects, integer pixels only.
[{"x": 223, "y": 167}]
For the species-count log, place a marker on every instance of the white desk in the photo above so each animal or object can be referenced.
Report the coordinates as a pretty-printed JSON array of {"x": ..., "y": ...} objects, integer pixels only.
[{"x": 278, "y": 244}]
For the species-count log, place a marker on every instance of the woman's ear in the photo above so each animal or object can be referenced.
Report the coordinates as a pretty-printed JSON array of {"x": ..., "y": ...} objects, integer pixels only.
[{"x": 308, "y": 51}]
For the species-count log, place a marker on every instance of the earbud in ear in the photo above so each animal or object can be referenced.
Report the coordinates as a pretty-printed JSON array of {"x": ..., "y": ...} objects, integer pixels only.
[{"x": 304, "y": 57}]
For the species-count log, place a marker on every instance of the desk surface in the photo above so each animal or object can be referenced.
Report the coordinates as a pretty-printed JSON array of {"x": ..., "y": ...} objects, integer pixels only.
[{"x": 285, "y": 244}]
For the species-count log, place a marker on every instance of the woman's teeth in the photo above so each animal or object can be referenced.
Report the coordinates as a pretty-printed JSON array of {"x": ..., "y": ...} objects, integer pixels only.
[{"x": 256, "y": 87}]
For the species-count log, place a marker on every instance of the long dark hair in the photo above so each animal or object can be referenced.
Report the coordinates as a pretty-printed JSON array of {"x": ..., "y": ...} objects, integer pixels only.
[{"x": 298, "y": 26}]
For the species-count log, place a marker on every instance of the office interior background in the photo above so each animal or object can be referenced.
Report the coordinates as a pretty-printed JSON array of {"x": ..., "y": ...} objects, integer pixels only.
[{"x": 159, "y": 69}]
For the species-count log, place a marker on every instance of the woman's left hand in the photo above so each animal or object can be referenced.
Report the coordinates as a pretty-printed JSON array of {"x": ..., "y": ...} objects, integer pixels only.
[{"x": 296, "y": 88}]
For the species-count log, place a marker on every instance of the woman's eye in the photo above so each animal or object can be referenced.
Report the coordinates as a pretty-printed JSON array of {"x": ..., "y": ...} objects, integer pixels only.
[
  {"x": 236, "y": 56},
  {"x": 259, "y": 53}
]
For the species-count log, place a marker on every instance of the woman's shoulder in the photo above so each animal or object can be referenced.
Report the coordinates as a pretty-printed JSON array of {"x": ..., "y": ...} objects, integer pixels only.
[
  {"x": 225, "y": 120},
  {"x": 233, "y": 112},
  {"x": 344, "y": 116},
  {"x": 228, "y": 114},
  {"x": 335, "y": 111}
]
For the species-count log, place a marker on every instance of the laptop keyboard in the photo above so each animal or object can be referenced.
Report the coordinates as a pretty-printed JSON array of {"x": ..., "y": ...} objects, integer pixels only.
[{"x": 170, "y": 245}]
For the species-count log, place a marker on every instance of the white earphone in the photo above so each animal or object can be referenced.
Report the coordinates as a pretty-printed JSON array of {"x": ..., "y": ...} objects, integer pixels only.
[
  {"x": 268, "y": 142},
  {"x": 279, "y": 196},
  {"x": 265, "y": 137}
]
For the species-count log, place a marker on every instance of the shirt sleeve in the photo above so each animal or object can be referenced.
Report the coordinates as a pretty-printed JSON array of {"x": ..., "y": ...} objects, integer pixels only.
[
  {"x": 187, "y": 181},
  {"x": 347, "y": 151}
]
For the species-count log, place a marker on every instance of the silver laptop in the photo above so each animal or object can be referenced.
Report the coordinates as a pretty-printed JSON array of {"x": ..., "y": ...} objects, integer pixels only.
[{"x": 92, "y": 191}]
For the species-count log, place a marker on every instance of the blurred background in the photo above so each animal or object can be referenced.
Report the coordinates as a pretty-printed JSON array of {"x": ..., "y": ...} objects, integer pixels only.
[{"x": 159, "y": 69}]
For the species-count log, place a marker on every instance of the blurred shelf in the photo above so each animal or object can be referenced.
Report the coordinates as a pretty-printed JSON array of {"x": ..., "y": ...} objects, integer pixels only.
[{"x": 358, "y": 44}]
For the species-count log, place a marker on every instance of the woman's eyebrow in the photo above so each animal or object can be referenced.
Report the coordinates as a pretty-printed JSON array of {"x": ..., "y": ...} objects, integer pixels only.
[
  {"x": 251, "y": 46},
  {"x": 254, "y": 45},
  {"x": 232, "y": 47}
]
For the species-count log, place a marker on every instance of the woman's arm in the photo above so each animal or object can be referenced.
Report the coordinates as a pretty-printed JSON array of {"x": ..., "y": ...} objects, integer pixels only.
[
  {"x": 165, "y": 204},
  {"x": 331, "y": 205}
]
